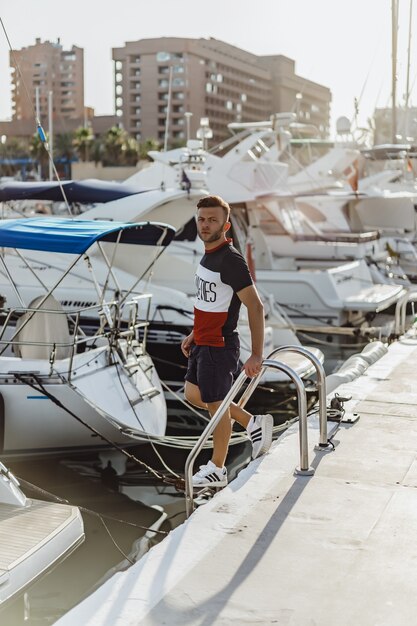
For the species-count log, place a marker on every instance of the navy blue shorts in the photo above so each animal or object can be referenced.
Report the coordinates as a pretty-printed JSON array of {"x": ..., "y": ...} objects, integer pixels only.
[{"x": 213, "y": 370}]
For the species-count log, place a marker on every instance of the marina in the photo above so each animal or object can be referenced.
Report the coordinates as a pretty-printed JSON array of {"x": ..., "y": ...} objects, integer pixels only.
[{"x": 208, "y": 324}]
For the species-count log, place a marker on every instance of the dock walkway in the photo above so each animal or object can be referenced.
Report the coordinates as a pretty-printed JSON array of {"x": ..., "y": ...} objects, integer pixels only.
[{"x": 335, "y": 549}]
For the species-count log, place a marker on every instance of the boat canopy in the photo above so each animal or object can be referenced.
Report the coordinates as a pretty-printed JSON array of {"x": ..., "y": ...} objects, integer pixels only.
[
  {"x": 51, "y": 234},
  {"x": 83, "y": 192}
]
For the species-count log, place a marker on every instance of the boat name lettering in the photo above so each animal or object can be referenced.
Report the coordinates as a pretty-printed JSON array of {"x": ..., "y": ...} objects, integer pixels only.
[
  {"x": 343, "y": 279},
  {"x": 299, "y": 305}
]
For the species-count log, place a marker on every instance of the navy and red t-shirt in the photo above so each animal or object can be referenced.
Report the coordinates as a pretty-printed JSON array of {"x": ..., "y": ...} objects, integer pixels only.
[{"x": 222, "y": 272}]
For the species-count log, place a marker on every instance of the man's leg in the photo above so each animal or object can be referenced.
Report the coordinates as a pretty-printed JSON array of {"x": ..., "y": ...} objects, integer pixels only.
[
  {"x": 221, "y": 435},
  {"x": 260, "y": 426},
  {"x": 193, "y": 396}
]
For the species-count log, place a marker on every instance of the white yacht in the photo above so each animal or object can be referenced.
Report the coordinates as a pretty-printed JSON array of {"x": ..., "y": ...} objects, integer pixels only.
[
  {"x": 341, "y": 293},
  {"x": 62, "y": 387},
  {"x": 34, "y": 536}
]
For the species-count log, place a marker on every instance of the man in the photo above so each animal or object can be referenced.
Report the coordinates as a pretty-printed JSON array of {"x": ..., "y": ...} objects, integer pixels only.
[{"x": 223, "y": 282}]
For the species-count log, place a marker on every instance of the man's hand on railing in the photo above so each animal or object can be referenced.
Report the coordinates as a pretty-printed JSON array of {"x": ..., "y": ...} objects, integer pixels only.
[{"x": 253, "y": 365}]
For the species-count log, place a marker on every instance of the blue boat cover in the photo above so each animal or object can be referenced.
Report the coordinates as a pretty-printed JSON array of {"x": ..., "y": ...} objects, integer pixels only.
[
  {"x": 83, "y": 192},
  {"x": 51, "y": 234}
]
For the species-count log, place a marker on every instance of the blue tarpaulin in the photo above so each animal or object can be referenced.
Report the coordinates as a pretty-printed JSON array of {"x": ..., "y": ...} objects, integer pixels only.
[
  {"x": 51, "y": 234},
  {"x": 83, "y": 192}
]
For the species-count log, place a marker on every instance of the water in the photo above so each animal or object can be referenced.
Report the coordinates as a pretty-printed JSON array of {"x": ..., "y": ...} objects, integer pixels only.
[{"x": 80, "y": 482}]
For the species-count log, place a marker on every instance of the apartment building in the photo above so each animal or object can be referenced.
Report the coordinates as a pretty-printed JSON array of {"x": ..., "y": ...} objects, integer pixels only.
[
  {"x": 212, "y": 79},
  {"x": 307, "y": 99},
  {"x": 48, "y": 67}
]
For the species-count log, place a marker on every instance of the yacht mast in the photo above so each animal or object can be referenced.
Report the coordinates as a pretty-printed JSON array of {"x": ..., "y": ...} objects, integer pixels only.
[
  {"x": 394, "y": 25},
  {"x": 407, "y": 89}
]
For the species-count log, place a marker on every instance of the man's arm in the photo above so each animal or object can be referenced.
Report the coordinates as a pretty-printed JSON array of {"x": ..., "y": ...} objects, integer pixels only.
[
  {"x": 187, "y": 343},
  {"x": 250, "y": 298}
]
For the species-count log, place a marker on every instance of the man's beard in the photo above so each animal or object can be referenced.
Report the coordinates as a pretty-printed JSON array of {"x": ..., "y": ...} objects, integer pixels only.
[{"x": 214, "y": 237}]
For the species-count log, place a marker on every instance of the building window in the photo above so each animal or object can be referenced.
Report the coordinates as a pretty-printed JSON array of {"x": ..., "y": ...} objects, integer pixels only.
[
  {"x": 178, "y": 69},
  {"x": 119, "y": 89},
  {"x": 162, "y": 56},
  {"x": 178, "y": 82},
  {"x": 163, "y": 83},
  {"x": 119, "y": 77},
  {"x": 178, "y": 95},
  {"x": 119, "y": 65},
  {"x": 178, "y": 134},
  {"x": 209, "y": 87},
  {"x": 229, "y": 105},
  {"x": 119, "y": 112},
  {"x": 163, "y": 69},
  {"x": 119, "y": 102},
  {"x": 138, "y": 136},
  {"x": 137, "y": 111},
  {"x": 137, "y": 86},
  {"x": 244, "y": 97}
]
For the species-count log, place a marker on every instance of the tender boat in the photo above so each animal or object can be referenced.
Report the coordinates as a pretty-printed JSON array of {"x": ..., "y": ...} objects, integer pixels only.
[{"x": 34, "y": 535}]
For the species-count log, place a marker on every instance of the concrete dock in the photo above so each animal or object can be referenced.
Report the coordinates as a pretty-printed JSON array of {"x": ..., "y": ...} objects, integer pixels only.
[{"x": 334, "y": 549}]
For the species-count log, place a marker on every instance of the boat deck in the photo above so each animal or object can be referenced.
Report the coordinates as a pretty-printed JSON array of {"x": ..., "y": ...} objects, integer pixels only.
[
  {"x": 32, "y": 538},
  {"x": 273, "y": 548}
]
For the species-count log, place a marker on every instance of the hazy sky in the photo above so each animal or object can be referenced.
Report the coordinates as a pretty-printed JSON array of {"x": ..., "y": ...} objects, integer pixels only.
[{"x": 345, "y": 46}]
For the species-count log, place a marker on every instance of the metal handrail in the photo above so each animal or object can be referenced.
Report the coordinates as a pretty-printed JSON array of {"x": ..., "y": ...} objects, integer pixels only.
[
  {"x": 302, "y": 469},
  {"x": 321, "y": 387},
  {"x": 400, "y": 311}
]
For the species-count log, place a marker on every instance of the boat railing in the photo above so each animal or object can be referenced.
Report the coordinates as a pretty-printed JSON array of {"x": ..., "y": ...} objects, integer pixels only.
[
  {"x": 110, "y": 328},
  {"x": 303, "y": 468}
]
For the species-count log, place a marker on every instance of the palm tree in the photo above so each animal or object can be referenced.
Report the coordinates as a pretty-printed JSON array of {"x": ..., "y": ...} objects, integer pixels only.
[
  {"x": 146, "y": 146},
  {"x": 64, "y": 146},
  {"x": 131, "y": 151},
  {"x": 64, "y": 149},
  {"x": 82, "y": 142},
  {"x": 38, "y": 152},
  {"x": 113, "y": 146}
]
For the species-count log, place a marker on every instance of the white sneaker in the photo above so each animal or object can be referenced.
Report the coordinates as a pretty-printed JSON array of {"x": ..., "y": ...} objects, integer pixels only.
[
  {"x": 210, "y": 476},
  {"x": 260, "y": 433}
]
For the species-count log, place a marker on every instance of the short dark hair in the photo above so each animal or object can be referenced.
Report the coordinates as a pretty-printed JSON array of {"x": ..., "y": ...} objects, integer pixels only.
[{"x": 213, "y": 201}]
